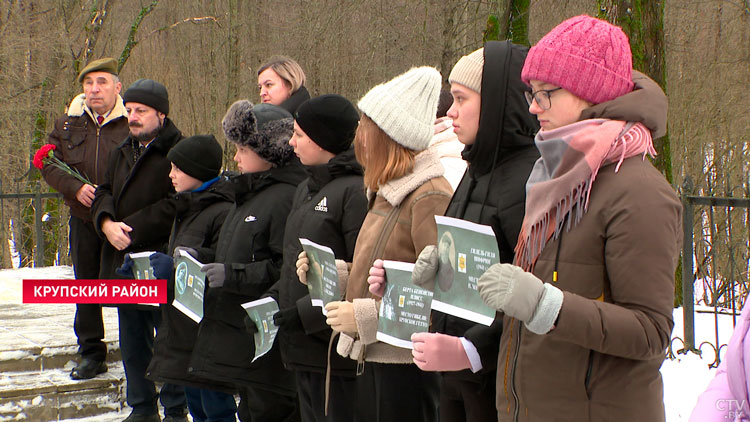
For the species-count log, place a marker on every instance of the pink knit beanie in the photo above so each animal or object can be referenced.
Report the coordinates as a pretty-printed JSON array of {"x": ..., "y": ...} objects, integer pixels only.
[{"x": 587, "y": 56}]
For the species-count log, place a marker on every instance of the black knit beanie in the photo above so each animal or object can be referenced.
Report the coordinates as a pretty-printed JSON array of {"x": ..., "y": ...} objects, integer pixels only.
[
  {"x": 330, "y": 120},
  {"x": 148, "y": 92},
  {"x": 199, "y": 156},
  {"x": 264, "y": 128}
]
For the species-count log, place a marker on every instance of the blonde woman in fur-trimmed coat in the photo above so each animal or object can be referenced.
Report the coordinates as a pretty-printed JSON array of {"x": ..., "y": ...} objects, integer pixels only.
[{"x": 406, "y": 188}]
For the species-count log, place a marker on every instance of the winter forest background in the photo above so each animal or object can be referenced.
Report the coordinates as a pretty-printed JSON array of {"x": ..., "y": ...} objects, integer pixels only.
[{"x": 207, "y": 54}]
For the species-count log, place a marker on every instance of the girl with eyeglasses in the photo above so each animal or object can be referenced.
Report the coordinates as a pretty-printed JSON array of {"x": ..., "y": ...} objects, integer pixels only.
[{"x": 588, "y": 301}]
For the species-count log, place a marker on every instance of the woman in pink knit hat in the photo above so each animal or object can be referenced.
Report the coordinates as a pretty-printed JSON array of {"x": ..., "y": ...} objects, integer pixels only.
[{"x": 588, "y": 302}]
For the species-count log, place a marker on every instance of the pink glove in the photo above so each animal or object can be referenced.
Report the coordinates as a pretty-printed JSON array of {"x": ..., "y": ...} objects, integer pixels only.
[
  {"x": 376, "y": 280},
  {"x": 439, "y": 352}
]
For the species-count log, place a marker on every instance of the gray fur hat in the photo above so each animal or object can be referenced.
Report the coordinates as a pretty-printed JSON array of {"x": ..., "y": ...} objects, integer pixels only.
[{"x": 264, "y": 128}]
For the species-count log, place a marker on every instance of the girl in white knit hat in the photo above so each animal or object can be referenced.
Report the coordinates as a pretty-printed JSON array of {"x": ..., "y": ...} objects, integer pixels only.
[{"x": 405, "y": 188}]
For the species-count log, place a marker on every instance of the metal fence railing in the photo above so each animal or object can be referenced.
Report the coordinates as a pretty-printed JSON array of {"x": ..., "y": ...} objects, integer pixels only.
[
  {"x": 715, "y": 255},
  {"x": 33, "y": 226},
  {"x": 715, "y": 265}
]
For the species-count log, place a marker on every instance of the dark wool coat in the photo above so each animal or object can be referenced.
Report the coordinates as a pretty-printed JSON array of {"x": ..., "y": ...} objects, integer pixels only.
[
  {"x": 138, "y": 194},
  {"x": 85, "y": 146},
  {"x": 298, "y": 97},
  {"x": 493, "y": 189},
  {"x": 200, "y": 216},
  {"x": 251, "y": 247},
  {"x": 329, "y": 207}
]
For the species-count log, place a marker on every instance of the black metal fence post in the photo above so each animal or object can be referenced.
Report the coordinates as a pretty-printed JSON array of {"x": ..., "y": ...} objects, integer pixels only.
[
  {"x": 688, "y": 315},
  {"x": 38, "y": 233}
]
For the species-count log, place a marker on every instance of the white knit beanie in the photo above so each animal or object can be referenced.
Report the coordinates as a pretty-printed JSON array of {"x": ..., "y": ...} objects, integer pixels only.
[
  {"x": 468, "y": 71},
  {"x": 405, "y": 106}
]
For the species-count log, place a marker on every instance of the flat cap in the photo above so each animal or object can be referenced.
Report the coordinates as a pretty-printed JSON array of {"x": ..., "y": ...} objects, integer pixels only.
[{"x": 106, "y": 64}]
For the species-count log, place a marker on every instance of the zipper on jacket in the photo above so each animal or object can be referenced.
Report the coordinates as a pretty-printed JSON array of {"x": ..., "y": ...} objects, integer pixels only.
[
  {"x": 96, "y": 157},
  {"x": 517, "y": 404},
  {"x": 390, "y": 221},
  {"x": 589, "y": 370}
]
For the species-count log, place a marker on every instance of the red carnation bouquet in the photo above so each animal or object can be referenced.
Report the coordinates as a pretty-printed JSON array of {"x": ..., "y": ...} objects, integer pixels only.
[{"x": 46, "y": 155}]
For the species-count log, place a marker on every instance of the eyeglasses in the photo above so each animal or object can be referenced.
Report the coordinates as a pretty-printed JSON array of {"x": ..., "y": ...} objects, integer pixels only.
[{"x": 541, "y": 97}]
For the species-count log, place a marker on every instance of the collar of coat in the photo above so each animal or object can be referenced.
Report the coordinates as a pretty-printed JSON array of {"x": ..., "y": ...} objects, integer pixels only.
[
  {"x": 167, "y": 137},
  {"x": 78, "y": 107},
  {"x": 426, "y": 166},
  {"x": 343, "y": 164}
]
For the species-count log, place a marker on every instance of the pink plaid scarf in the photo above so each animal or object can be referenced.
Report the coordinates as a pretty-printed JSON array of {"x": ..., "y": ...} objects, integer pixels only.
[{"x": 561, "y": 179}]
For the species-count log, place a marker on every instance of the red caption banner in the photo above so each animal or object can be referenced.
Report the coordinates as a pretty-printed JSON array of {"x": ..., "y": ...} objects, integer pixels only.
[{"x": 95, "y": 291}]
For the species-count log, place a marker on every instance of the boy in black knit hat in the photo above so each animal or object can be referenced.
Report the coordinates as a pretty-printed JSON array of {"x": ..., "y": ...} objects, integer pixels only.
[
  {"x": 248, "y": 261},
  {"x": 202, "y": 202}
]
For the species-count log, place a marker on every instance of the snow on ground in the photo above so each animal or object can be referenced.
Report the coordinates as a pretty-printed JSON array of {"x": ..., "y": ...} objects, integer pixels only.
[{"x": 685, "y": 377}]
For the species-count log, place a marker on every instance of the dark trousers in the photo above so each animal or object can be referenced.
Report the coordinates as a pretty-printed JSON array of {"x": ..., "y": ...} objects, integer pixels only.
[
  {"x": 342, "y": 399},
  {"x": 462, "y": 400},
  {"x": 400, "y": 392},
  {"x": 261, "y": 405},
  {"x": 136, "y": 345},
  {"x": 85, "y": 248},
  {"x": 210, "y": 406}
]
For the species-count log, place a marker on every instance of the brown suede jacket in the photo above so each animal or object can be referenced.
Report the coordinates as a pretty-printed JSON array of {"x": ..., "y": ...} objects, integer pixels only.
[{"x": 399, "y": 223}]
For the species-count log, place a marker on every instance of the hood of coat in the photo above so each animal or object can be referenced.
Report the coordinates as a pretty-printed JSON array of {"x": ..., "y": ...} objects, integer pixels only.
[
  {"x": 646, "y": 104},
  {"x": 189, "y": 202},
  {"x": 78, "y": 107},
  {"x": 343, "y": 164},
  {"x": 292, "y": 103},
  {"x": 505, "y": 123},
  {"x": 246, "y": 185}
]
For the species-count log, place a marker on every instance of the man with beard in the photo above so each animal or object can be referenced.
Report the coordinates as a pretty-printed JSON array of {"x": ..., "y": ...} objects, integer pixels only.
[
  {"x": 95, "y": 123},
  {"x": 133, "y": 210}
]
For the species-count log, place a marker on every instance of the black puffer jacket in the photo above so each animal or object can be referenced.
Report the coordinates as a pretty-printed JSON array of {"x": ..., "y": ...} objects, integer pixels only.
[
  {"x": 200, "y": 216},
  {"x": 250, "y": 245},
  {"x": 493, "y": 189},
  {"x": 328, "y": 209},
  {"x": 137, "y": 193}
]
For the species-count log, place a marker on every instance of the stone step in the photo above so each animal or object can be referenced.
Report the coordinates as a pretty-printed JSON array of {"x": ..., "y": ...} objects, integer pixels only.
[
  {"x": 50, "y": 395},
  {"x": 35, "y": 337},
  {"x": 37, "y": 358}
]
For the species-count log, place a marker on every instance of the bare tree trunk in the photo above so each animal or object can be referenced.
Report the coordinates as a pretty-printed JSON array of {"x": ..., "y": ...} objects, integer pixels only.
[
  {"x": 643, "y": 22},
  {"x": 518, "y": 22}
]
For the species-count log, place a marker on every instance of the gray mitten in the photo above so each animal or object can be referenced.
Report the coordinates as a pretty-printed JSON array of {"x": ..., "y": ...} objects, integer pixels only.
[
  {"x": 521, "y": 295},
  {"x": 215, "y": 274},
  {"x": 190, "y": 251},
  {"x": 426, "y": 267}
]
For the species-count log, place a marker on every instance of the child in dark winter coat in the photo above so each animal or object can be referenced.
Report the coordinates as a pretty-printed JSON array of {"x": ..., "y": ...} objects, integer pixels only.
[
  {"x": 248, "y": 262},
  {"x": 202, "y": 202},
  {"x": 328, "y": 209}
]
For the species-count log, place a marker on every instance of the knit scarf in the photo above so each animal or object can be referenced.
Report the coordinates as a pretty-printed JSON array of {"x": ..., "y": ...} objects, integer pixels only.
[{"x": 561, "y": 179}]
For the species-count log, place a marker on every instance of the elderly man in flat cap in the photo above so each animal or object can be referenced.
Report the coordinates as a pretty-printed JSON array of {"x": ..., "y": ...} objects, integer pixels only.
[{"x": 95, "y": 123}]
